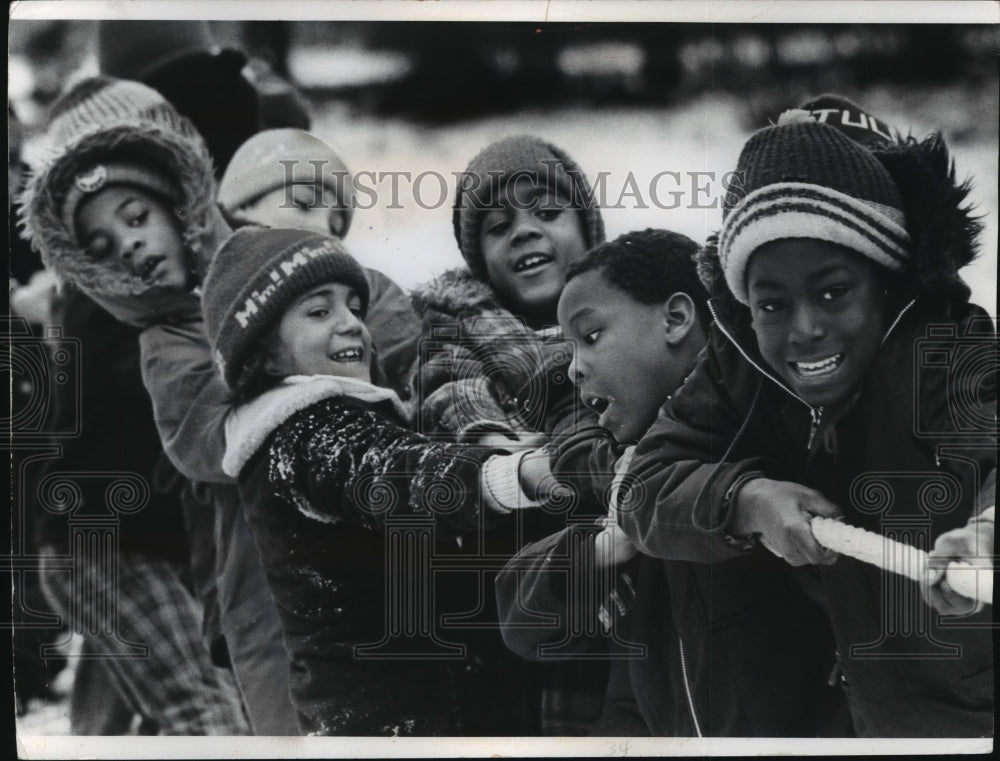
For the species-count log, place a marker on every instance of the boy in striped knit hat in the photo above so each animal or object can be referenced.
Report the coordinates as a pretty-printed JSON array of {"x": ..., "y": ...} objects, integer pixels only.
[{"x": 838, "y": 382}]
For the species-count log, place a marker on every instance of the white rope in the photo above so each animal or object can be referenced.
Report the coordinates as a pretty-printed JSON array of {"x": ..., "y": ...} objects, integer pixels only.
[{"x": 969, "y": 581}]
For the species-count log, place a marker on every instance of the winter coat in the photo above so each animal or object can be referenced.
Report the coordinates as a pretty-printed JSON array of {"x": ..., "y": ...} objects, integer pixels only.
[
  {"x": 189, "y": 398},
  {"x": 483, "y": 370},
  {"x": 905, "y": 458},
  {"x": 109, "y": 407},
  {"x": 331, "y": 478},
  {"x": 395, "y": 331},
  {"x": 727, "y": 650}
]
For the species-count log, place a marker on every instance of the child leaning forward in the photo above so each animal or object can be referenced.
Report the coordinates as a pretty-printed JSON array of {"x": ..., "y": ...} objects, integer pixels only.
[
  {"x": 326, "y": 464},
  {"x": 834, "y": 266}
]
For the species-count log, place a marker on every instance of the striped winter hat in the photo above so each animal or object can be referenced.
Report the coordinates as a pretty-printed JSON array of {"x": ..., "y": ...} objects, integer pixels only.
[{"x": 806, "y": 179}]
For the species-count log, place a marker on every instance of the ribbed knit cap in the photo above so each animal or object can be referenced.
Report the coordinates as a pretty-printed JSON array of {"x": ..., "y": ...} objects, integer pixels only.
[
  {"x": 108, "y": 131},
  {"x": 100, "y": 104},
  {"x": 847, "y": 116},
  {"x": 253, "y": 278},
  {"x": 485, "y": 179},
  {"x": 805, "y": 179},
  {"x": 277, "y": 158}
]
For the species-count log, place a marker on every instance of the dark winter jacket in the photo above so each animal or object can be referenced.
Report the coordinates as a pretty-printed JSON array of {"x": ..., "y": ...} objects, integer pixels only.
[
  {"x": 189, "y": 399},
  {"x": 338, "y": 493},
  {"x": 906, "y": 458},
  {"x": 727, "y": 650},
  {"x": 482, "y": 370},
  {"x": 104, "y": 400}
]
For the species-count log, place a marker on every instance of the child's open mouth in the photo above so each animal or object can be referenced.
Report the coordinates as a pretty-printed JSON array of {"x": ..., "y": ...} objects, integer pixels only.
[
  {"x": 818, "y": 368},
  {"x": 354, "y": 354},
  {"x": 595, "y": 402},
  {"x": 530, "y": 262},
  {"x": 150, "y": 269}
]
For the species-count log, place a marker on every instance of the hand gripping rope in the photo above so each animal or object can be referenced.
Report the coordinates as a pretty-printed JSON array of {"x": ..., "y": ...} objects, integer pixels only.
[{"x": 968, "y": 580}]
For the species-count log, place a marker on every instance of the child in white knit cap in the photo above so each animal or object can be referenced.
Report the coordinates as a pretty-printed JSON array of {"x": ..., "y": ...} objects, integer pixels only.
[{"x": 287, "y": 178}]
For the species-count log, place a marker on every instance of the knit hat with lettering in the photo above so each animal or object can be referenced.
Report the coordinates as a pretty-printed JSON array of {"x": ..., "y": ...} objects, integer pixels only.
[
  {"x": 851, "y": 119},
  {"x": 253, "y": 278},
  {"x": 806, "y": 179},
  {"x": 276, "y": 158},
  {"x": 484, "y": 180}
]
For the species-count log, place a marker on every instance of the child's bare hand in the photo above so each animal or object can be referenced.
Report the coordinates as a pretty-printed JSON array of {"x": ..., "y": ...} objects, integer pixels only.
[
  {"x": 972, "y": 544},
  {"x": 780, "y": 513},
  {"x": 611, "y": 546}
]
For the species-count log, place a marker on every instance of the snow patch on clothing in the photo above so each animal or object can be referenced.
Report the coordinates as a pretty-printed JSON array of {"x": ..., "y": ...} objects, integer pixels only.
[{"x": 248, "y": 426}]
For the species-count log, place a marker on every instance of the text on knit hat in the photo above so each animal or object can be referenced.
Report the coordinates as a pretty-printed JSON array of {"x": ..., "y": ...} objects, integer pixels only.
[
  {"x": 805, "y": 179},
  {"x": 253, "y": 278}
]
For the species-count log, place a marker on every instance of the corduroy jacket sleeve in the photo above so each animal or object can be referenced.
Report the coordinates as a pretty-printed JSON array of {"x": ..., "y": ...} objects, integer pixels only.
[
  {"x": 685, "y": 492},
  {"x": 341, "y": 459},
  {"x": 190, "y": 400}
]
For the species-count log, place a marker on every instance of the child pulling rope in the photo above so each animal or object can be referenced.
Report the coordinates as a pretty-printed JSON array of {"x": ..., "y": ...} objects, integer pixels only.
[{"x": 900, "y": 558}]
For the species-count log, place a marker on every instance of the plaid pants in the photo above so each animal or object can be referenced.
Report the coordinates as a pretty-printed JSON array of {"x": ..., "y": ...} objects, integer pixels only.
[{"x": 174, "y": 682}]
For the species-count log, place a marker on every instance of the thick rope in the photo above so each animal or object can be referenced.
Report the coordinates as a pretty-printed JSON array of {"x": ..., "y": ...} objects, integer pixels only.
[{"x": 969, "y": 581}]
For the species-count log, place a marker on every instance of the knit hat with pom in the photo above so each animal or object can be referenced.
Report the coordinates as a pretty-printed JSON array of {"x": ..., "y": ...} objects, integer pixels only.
[
  {"x": 806, "y": 179},
  {"x": 482, "y": 185},
  {"x": 278, "y": 158},
  {"x": 253, "y": 278},
  {"x": 851, "y": 119}
]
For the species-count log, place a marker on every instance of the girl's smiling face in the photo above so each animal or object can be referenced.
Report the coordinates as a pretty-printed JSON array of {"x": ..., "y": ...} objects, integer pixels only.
[
  {"x": 322, "y": 333},
  {"x": 528, "y": 245},
  {"x": 819, "y": 312}
]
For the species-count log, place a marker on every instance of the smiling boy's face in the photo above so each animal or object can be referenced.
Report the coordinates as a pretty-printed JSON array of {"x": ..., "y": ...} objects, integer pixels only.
[
  {"x": 322, "y": 333},
  {"x": 621, "y": 359},
  {"x": 528, "y": 250},
  {"x": 134, "y": 231},
  {"x": 819, "y": 313},
  {"x": 302, "y": 206}
]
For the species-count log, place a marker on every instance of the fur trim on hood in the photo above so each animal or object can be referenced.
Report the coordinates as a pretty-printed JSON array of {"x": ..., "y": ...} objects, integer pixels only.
[
  {"x": 942, "y": 228},
  {"x": 457, "y": 293},
  {"x": 171, "y": 143}
]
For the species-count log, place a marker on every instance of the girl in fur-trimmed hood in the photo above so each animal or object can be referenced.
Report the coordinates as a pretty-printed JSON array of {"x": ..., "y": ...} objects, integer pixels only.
[
  {"x": 109, "y": 133},
  {"x": 124, "y": 206}
]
